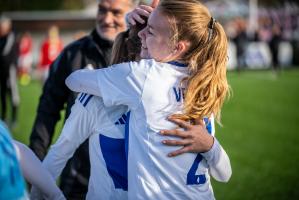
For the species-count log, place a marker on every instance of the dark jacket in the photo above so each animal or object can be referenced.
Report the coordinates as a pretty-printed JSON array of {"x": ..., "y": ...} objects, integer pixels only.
[{"x": 90, "y": 50}]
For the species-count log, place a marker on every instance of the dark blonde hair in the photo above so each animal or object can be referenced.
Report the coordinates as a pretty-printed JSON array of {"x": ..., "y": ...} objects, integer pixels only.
[
  {"x": 207, "y": 85},
  {"x": 127, "y": 45}
]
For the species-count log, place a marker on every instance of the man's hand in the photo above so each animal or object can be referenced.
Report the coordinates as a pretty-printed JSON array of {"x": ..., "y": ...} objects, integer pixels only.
[{"x": 194, "y": 138}]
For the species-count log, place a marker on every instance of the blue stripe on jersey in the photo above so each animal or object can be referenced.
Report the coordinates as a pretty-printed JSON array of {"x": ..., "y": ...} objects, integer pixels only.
[
  {"x": 192, "y": 178},
  {"x": 208, "y": 124},
  {"x": 82, "y": 98},
  {"x": 87, "y": 100},
  {"x": 122, "y": 120},
  {"x": 113, "y": 151},
  {"x": 127, "y": 133}
]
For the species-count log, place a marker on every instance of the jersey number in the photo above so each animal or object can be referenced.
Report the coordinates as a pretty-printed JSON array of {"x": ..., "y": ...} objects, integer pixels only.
[{"x": 192, "y": 178}]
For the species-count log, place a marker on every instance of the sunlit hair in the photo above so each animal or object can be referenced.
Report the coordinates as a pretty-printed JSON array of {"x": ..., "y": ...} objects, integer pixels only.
[
  {"x": 206, "y": 87},
  {"x": 127, "y": 45}
]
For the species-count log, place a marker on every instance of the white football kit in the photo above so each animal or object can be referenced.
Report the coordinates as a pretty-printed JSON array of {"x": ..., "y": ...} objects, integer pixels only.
[
  {"x": 105, "y": 128},
  {"x": 152, "y": 91}
]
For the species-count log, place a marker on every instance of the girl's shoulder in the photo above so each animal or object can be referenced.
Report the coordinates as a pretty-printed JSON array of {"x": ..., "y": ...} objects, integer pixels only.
[
  {"x": 147, "y": 64},
  {"x": 143, "y": 65}
]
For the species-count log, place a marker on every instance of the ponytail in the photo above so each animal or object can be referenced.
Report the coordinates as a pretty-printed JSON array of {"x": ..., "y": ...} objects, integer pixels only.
[{"x": 206, "y": 85}]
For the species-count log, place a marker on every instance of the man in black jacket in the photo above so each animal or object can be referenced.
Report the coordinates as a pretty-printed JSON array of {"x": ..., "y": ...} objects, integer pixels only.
[{"x": 91, "y": 51}]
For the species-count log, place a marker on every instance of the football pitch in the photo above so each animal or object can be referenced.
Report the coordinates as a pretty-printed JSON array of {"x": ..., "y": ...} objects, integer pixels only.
[{"x": 260, "y": 133}]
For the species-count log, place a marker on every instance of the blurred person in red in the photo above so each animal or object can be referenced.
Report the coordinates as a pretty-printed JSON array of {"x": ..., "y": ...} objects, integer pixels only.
[
  {"x": 25, "y": 58},
  {"x": 50, "y": 49}
]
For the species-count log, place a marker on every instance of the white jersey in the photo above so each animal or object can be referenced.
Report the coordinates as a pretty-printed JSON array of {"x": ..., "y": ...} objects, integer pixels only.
[
  {"x": 153, "y": 91},
  {"x": 105, "y": 129}
]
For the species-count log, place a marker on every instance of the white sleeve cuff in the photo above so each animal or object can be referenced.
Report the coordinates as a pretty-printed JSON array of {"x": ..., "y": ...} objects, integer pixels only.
[{"x": 213, "y": 153}]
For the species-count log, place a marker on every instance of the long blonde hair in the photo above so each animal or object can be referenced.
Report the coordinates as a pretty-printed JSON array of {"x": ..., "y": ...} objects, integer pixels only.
[{"x": 207, "y": 85}]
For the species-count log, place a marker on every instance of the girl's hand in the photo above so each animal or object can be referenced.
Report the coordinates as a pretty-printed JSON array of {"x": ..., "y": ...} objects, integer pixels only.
[
  {"x": 194, "y": 138},
  {"x": 142, "y": 11}
]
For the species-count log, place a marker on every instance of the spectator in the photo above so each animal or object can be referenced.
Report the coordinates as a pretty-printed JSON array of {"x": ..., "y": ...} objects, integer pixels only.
[
  {"x": 274, "y": 46},
  {"x": 25, "y": 58},
  {"x": 240, "y": 40},
  {"x": 50, "y": 49},
  {"x": 8, "y": 57},
  {"x": 93, "y": 50}
]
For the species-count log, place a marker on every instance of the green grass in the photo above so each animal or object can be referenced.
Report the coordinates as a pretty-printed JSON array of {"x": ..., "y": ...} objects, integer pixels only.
[
  {"x": 259, "y": 133},
  {"x": 27, "y": 112}
]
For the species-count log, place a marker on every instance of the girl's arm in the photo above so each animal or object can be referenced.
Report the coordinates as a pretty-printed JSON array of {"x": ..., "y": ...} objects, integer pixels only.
[
  {"x": 219, "y": 163},
  {"x": 76, "y": 130},
  {"x": 35, "y": 174},
  {"x": 119, "y": 84},
  {"x": 84, "y": 80}
]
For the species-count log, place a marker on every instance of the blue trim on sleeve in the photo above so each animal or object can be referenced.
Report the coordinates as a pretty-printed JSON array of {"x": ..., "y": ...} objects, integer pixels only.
[
  {"x": 83, "y": 97},
  {"x": 80, "y": 96}
]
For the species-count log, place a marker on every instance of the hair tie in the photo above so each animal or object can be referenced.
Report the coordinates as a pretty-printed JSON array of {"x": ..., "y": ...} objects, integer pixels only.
[
  {"x": 211, "y": 27},
  {"x": 212, "y": 23}
]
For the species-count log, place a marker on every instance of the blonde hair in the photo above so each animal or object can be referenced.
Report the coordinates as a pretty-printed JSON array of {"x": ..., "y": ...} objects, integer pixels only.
[
  {"x": 207, "y": 85},
  {"x": 127, "y": 45}
]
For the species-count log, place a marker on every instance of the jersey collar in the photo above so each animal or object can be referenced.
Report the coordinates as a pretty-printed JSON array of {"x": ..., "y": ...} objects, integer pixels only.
[{"x": 178, "y": 64}]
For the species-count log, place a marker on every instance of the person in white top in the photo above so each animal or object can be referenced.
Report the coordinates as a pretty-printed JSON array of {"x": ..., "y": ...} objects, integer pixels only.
[{"x": 185, "y": 79}]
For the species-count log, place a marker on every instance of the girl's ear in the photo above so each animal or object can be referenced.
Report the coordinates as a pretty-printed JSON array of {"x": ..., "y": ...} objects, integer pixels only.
[{"x": 181, "y": 48}]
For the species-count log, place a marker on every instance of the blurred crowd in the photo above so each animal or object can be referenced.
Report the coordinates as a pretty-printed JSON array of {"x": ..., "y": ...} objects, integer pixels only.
[
  {"x": 275, "y": 35},
  {"x": 16, "y": 62}
]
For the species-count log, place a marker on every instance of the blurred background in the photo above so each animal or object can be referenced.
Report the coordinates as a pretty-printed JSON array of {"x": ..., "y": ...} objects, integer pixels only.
[{"x": 260, "y": 120}]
